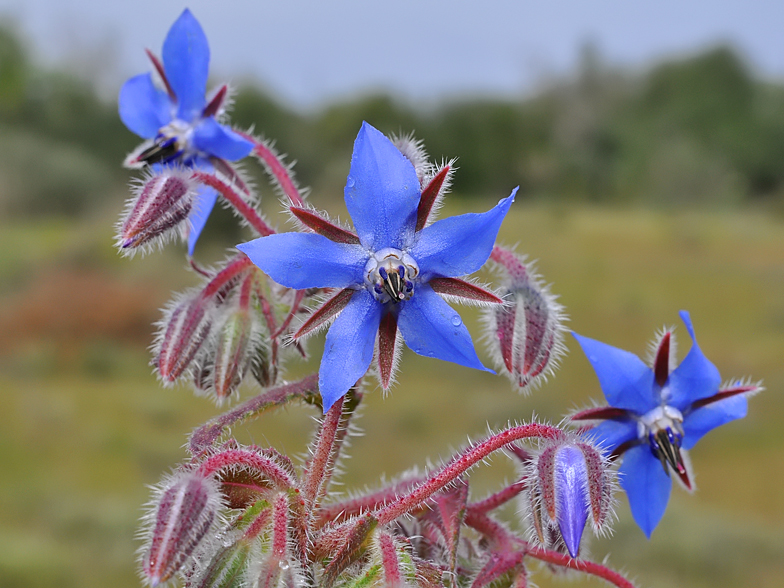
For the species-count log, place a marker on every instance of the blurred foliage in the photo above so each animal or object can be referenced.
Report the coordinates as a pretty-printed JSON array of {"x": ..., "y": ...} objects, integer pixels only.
[{"x": 697, "y": 131}]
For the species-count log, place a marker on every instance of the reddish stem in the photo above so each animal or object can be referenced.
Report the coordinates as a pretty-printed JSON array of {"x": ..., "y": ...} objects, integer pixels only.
[
  {"x": 316, "y": 476},
  {"x": 342, "y": 511},
  {"x": 299, "y": 296},
  {"x": 243, "y": 208},
  {"x": 581, "y": 565},
  {"x": 498, "y": 499},
  {"x": 205, "y": 436},
  {"x": 231, "y": 271},
  {"x": 251, "y": 459},
  {"x": 460, "y": 464},
  {"x": 276, "y": 168}
]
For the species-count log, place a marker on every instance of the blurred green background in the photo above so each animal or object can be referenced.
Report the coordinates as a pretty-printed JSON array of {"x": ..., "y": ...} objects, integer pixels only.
[{"x": 642, "y": 193}]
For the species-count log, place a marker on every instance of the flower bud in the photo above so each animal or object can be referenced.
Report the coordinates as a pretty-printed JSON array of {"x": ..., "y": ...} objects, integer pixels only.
[
  {"x": 181, "y": 521},
  {"x": 157, "y": 209},
  {"x": 182, "y": 332},
  {"x": 226, "y": 569},
  {"x": 526, "y": 334},
  {"x": 569, "y": 482},
  {"x": 231, "y": 357}
]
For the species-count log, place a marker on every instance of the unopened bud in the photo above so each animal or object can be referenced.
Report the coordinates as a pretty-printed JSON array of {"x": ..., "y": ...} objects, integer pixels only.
[
  {"x": 181, "y": 334},
  {"x": 158, "y": 209},
  {"x": 526, "y": 333},
  {"x": 231, "y": 358},
  {"x": 570, "y": 482},
  {"x": 180, "y": 523},
  {"x": 227, "y": 568}
]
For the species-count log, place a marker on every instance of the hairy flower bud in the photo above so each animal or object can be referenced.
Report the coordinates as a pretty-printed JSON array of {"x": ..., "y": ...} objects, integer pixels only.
[
  {"x": 182, "y": 332},
  {"x": 526, "y": 334},
  {"x": 231, "y": 353},
  {"x": 157, "y": 209},
  {"x": 570, "y": 482},
  {"x": 226, "y": 569},
  {"x": 180, "y": 522}
]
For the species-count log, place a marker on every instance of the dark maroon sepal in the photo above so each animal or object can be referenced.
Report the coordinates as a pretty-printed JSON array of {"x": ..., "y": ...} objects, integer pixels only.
[
  {"x": 387, "y": 333},
  {"x": 463, "y": 289},
  {"x": 215, "y": 104},
  {"x": 156, "y": 63},
  {"x": 327, "y": 311},
  {"x": 601, "y": 413},
  {"x": 661, "y": 365},
  {"x": 324, "y": 227},
  {"x": 722, "y": 394},
  {"x": 429, "y": 197}
]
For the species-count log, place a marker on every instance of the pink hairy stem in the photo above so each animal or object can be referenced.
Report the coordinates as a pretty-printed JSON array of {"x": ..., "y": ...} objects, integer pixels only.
[
  {"x": 499, "y": 498},
  {"x": 460, "y": 464},
  {"x": 261, "y": 464},
  {"x": 243, "y": 208},
  {"x": 223, "y": 277},
  {"x": 318, "y": 470},
  {"x": 205, "y": 436},
  {"x": 276, "y": 168},
  {"x": 342, "y": 511},
  {"x": 581, "y": 565},
  {"x": 299, "y": 296},
  {"x": 389, "y": 561}
]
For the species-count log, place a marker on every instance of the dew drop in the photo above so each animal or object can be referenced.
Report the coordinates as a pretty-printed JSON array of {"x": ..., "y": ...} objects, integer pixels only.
[
  {"x": 350, "y": 182},
  {"x": 456, "y": 321},
  {"x": 283, "y": 564}
]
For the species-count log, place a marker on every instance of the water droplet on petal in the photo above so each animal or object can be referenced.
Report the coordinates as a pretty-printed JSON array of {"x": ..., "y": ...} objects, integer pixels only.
[
  {"x": 350, "y": 182},
  {"x": 456, "y": 321}
]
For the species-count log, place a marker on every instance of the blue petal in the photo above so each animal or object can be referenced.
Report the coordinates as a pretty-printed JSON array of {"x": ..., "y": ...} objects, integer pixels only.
[
  {"x": 625, "y": 380},
  {"x": 707, "y": 418},
  {"x": 202, "y": 207},
  {"x": 459, "y": 245},
  {"x": 571, "y": 483},
  {"x": 186, "y": 60},
  {"x": 307, "y": 260},
  {"x": 696, "y": 377},
  {"x": 144, "y": 109},
  {"x": 215, "y": 139},
  {"x": 611, "y": 434},
  {"x": 432, "y": 328},
  {"x": 348, "y": 350},
  {"x": 382, "y": 192},
  {"x": 647, "y": 485}
]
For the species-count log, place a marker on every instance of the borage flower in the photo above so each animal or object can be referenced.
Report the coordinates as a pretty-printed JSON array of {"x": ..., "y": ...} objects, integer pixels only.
[
  {"x": 656, "y": 415},
  {"x": 179, "y": 124},
  {"x": 389, "y": 273}
]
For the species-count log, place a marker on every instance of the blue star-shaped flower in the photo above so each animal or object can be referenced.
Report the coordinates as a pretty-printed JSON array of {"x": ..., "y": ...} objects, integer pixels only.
[
  {"x": 179, "y": 123},
  {"x": 389, "y": 271},
  {"x": 655, "y": 415}
]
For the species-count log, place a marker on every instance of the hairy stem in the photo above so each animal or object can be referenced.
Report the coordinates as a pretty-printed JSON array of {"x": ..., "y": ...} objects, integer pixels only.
[
  {"x": 243, "y": 208},
  {"x": 581, "y": 565},
  {"x": 460, "y": 464}
]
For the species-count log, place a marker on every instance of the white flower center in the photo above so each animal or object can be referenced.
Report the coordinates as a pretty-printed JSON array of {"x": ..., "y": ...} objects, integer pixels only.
[
  {"x": 662, "y": 428},
  {"x": 390, "y": 275},
  {"x": 173, "y": 142}
]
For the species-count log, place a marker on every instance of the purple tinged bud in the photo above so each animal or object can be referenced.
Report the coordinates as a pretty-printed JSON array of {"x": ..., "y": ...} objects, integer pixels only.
[
  {"x": 571, "y": 483},
  {"x": 181, "y": 334},
  {"x": 180, "y": 523},
  {"x": 157, "y": 209},
  {"x": 232, "y": 353},
  {"x": 526, "y": 333}
]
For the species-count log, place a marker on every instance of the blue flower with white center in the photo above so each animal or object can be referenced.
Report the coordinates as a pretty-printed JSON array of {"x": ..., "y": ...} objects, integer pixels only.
[
  {"x": 178, "y": 123},
  {"x": 657, "y": 414},
  {"x": 389, "y": 273}
]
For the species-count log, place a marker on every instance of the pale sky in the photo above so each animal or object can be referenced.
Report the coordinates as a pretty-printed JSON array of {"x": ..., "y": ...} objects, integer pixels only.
[{"x": 308, "y": 52}]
